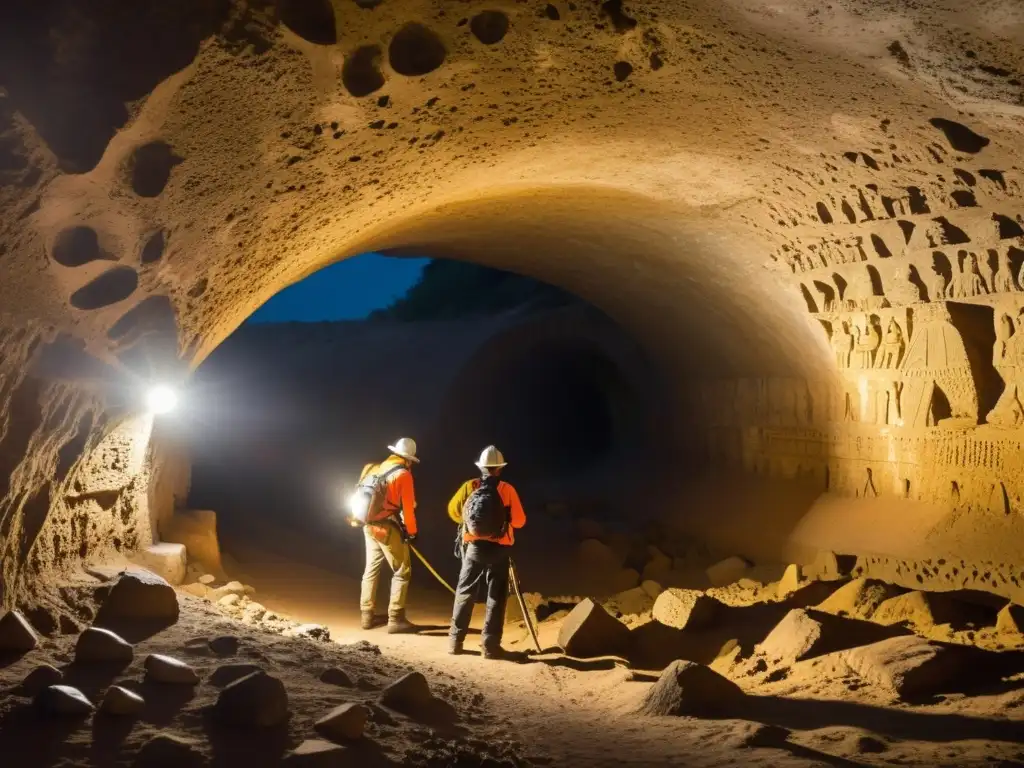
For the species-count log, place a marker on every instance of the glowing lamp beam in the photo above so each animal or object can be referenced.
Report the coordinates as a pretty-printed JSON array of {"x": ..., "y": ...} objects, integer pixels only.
[{"x": 161, "y": 399}]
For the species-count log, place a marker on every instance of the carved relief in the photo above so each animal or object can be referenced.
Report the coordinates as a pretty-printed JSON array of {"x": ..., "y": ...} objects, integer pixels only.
[
  {"x": 842, "y": 344},
  {"x": 892, "y": 347},
  {"x": 868, "y": 340}
]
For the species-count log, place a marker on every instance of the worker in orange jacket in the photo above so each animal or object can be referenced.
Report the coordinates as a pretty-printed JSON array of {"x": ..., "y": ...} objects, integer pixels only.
[
  {"x": 488, "y": 511},
  {"x": 388, "y": 537}
]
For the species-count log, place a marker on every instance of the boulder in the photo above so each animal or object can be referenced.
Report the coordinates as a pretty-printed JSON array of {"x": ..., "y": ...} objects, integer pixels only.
[
  {"x": 652, "y": 588},
  {"x": 633, "y": 602},
  {"x": 167, "y": 560},
  {"x": 859, "y": 599},
  {"x": 229, "y": 601},
  {"x": 687, "y": 688},
  {"x": 39, "y": 678},
  {"x": 168, "y": 751},
  {"x": 228, "y": 673},
  {"x": 231, "y": 588},
  {"x": 121, "y": 701},
  {"x": 196, "y": 590},
  {"x": 196, "y": 529},
  {"x": 16, "y": 634},
  {"x": 207, "y": 579},
  {"x": 255, "y": 700},
  {"x": 804, "y": 634},
  {"x": 165, "y": 669},
  {"x": 590, "y": 631},
  {"x": 344, "y": 723},
  {"x": 316, "y": 632},
  {"x": 253, "y": 613},
  {"x": 139, "y": 596},
  {"x": 727, "y": 571},
  {"x": 596, "y": 554},
  {"x": 225, "y": 645},
  {"x": 63, "y": 700},
  {"x": 685, "y": 609},
  {"x": 102, "y": 645},
  {"x": 336, "y": 676},
  {"x": 316, "y": 753},
  {"x": 1011, "y": 619},
  {"x": 791, "y": 581},
  {"x": 828, "y": 566},
  {"x": 408, "y": 693},
  {"x": 657, "y": 566},
  {"x": 926, "y": 609},
  {"x": 911, "y": 666}
]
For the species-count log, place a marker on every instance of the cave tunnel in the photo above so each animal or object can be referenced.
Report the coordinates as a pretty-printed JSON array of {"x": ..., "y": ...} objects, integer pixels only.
[{"x": 796, "y": 347}]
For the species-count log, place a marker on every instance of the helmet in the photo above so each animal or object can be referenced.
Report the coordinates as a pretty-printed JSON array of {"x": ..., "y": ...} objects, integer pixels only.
[
  {"x": 491, "y": 458},
  {"x": 406, "y": 448}
]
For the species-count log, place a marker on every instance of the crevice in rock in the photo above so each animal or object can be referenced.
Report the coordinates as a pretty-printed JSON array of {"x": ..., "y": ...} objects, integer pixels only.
[{"x": 112, "y": 286}]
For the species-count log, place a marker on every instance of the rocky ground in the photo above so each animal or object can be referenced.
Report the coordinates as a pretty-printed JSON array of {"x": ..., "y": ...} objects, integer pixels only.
[{"x": 775, "y": 666}]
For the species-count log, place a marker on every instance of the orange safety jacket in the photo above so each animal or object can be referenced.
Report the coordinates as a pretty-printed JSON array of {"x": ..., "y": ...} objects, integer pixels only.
[
  {"x": 509, "y": 498},
  {"x": 399, "y": 496}
]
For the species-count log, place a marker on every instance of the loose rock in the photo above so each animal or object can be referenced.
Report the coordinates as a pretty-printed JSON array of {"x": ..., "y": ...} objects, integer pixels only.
[
  {"x": 859, "y": 598},
  {"x": 805, "y": 634},
  {"x": 316, "y": 753},
  {"x": 167, "y": 751},
  {"x": 16, "y": 634},
  {"x": 229, "y": 601},
  {"x": 196, "y": 590},
  {"x": 409, "y": 692},
  {"x": 121, "y": 701},
  {"x": 164, "y": 669},
  {"x": 225, "y": 645},
  {"x": 63, "y": 700},
  {"x": 102, "y": 645},
  {"x": 344, "y": 723},
  {"x": 140, "y": 595},
  {"x": 166, "y": 560},
  {"x": 652, "y": 588},
  {"x": 1011, "y": 619},
  {"x": 336, "y": 676},
  {"x": 255, "y": 700},
  {"x": 253, "y": 612},
  {"x": 316, "y": 632},
  {"x": 791, "y": 580},
  {"x": 727, "y": 571},
  {"x": 910, "y": 666},
  {"x": 231, "y": 588},
  {"x": 39, "y": 678},
  {"x": 207, "y": 579},
  {"x": 589, "y": 631},
  {"x": 926, "y": 609},
  {"x": 686, "y": 688},
  {"x": 686, "y": 609}
]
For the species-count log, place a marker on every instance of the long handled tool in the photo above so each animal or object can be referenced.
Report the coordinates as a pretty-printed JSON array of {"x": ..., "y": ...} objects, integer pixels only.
[
  {"x": 513, "y": 578},
  {"x": 431, "y": 569}
]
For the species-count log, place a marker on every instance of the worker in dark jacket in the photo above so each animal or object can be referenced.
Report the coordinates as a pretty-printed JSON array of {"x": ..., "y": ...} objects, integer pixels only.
[{"x": 488, "y": 512}]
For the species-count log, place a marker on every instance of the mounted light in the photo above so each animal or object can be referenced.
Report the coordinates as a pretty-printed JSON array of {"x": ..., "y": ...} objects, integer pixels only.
[{"x": 161, "y": 399}]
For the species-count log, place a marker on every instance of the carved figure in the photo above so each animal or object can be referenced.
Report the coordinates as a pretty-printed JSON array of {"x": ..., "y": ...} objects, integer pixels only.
[
  {"x": 1004, "y": 275},
  {"x": 1008, "y": 411},
  {"x": 894, "y": 417},
  {"x": 867, "y": 344},
  {"x": 1004, "y": 332},
  {"x": 892, "y": 346},
  {"x": 842, "y": 344},
  {"x": 973, "y": 283},
  {"x": 937, "y": 285}
]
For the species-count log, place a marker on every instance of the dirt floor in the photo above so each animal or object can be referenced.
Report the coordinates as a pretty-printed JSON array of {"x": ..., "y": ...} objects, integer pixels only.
[{"x": 547, "y": 709}]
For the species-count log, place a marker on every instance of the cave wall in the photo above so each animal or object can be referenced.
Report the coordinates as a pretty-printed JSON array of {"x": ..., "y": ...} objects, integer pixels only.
[{"x": 743, "y": 185}]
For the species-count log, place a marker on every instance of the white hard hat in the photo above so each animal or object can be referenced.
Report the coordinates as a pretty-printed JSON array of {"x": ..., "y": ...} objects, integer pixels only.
[
  {"x": 406, "y": 448},
  {"x": 491, "y": 458}
]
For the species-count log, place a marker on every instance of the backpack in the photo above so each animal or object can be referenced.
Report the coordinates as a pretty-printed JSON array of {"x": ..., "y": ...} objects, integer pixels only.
[
  {"x": 367, "y": 502},
  {"x": 484, "y": 514}
]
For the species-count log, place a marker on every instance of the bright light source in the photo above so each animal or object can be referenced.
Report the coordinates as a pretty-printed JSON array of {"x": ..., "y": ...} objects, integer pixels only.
[{"x": 161, "y": 399}]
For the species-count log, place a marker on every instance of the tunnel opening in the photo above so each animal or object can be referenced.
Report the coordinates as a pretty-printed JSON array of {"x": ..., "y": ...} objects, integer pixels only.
[{"x": 469, "y": 356}]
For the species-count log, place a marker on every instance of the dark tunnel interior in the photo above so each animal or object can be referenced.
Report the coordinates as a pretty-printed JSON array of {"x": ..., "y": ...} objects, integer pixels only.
[{"x": 285, "y": 418}]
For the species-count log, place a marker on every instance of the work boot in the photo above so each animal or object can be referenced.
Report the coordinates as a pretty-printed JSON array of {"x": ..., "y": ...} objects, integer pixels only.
[
  {"x": 496, "y": 653},
  {"x": 399, "y": 625},
  {"x": 366, "y": 619},
  {"x": 454, "y": 645}
]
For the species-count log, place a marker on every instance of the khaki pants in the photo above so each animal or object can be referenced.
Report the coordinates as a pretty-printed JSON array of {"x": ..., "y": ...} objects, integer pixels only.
[{"x": 396, "y": 552}]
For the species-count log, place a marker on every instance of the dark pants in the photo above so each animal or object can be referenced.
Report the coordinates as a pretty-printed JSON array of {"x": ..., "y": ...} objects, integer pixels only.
[{"x": 483, "y": 562}]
